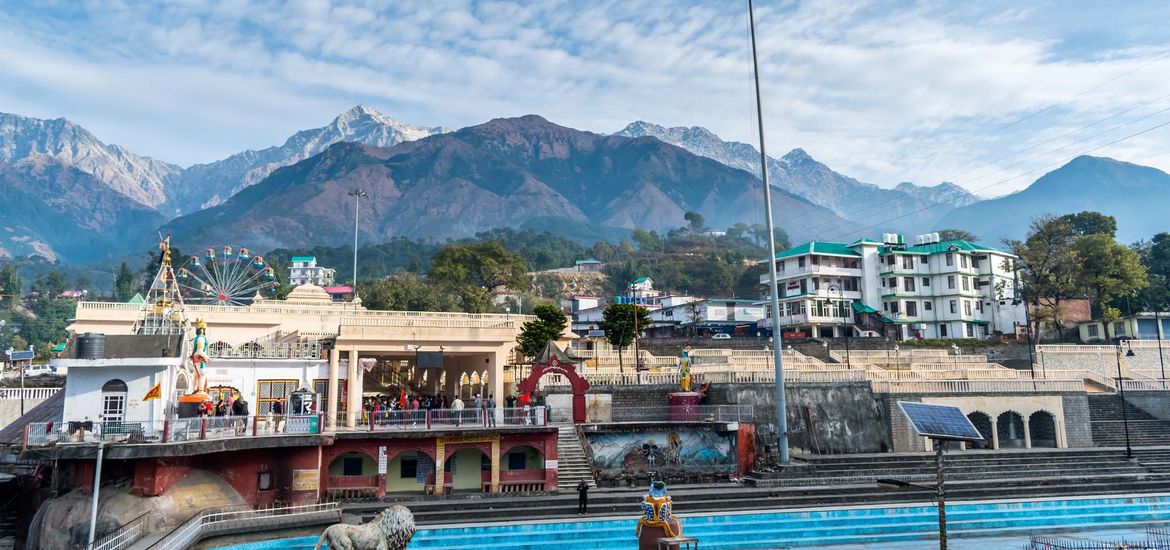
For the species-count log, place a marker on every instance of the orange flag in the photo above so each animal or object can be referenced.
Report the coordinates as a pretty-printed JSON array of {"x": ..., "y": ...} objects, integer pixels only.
[{"x": 154, "y": 393}]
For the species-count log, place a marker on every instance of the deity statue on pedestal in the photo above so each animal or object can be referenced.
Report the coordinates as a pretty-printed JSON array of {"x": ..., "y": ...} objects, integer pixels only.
[{"x": 657, "y": 519}]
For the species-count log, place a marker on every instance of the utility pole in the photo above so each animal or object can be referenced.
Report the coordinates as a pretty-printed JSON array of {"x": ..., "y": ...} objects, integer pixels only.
[
  {"x": 357, "y": 195},
  {"x": 774, "y": 302}
]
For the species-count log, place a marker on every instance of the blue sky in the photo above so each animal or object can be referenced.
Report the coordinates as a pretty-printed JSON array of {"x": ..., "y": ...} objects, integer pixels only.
[{"x": 989, "y": 94}]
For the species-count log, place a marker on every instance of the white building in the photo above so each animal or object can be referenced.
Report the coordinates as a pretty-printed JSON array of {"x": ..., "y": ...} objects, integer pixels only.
[
  {"x": 304, "y": 271},
  {"x": 708, "y": 314},
  {"x": 931, "y": 289}
]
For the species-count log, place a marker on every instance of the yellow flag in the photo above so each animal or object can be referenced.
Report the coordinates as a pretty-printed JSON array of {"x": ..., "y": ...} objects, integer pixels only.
[{"x": 154, "y": 393}]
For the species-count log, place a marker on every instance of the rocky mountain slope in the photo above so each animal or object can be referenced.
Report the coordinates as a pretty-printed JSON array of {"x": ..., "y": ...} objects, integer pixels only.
[
  {"x": 140, "y": 178},
  {"x": 1138, "y": 196},
  {"x": 204, "y": 185},
  {"x": 501, "y": 173},
  {"x": 798, "y": 173},
  {"x": 57, "y": 211}
]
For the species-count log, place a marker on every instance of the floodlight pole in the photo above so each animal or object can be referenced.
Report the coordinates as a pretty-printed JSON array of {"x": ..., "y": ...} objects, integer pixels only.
[
  {"x": 1121, "y": 395},
  {"x": 357, "y": 195},
  {"x": 774, "y": 301},
  {"x": 97, "y": 484}
]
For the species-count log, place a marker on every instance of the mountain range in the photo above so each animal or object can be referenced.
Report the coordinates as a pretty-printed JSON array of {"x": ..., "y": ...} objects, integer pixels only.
[
  {"x": 503, "y": 172},
  {"x": 520, "y": 172},
  {"x": 916, "y": 208}
]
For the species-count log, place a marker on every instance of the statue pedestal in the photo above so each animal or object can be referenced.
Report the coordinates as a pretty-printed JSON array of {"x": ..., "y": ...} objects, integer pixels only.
[
  {"x": 648, "y": 537},
  {"x": 684, "y": 406},
  {"x": 191, "y": 405}
]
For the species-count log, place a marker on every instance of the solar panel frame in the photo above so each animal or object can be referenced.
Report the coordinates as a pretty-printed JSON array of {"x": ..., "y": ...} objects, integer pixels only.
[{"x": 943, "y": 422}]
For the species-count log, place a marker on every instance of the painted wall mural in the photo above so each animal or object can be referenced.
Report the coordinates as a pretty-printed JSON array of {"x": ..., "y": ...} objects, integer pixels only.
[{"x": 666, "y": 451}]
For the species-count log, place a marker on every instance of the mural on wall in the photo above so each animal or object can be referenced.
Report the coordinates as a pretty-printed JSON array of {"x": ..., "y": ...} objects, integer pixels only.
[{"x": 665, "y": 451}]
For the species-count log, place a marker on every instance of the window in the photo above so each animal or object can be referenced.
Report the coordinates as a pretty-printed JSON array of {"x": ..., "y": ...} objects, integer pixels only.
[
  {"x": 1093, "y": 331},
  {"x": 909, "y": 284},
  {"x": 408, "y": 467},
  {"x": 272, "y": 391},
  {"x": 922, "y": 260},
  {"x": 967, "y": 330},
  {"x": 850, "y": 284},
  {"x": 517, "y": 461},
  {"x": 967, "y": 307},
  {"x": 951, "y": 282},
  {"x": 1119, "y": 329},
  {"x": 890, "y": 259},
  {"x": 800, "y": 262},
  {"x": 954, "y": 306},
  {"x": 816, "y": 260},
  {"x": 925, "y": 282},
  {"x": 907, "y": 262},
  {"x": 912, "y": 309},
  {"x": 966, "y": 283},
  {"x": 942, "y": 331},
  {"x": 963, "y": 261},
  {"x": 351, "y": 466},
  {"x": 114, "y": 401},
  {"x": 950, "y": 258},
  {"x": 979, "y": 306},
  {"x": 927, "y": 306},
  {"x": 321, "y": 387},
  {"x": 264, "y": 483}
]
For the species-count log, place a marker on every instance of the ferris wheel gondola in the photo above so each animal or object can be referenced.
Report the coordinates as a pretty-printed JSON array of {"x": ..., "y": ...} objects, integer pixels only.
[{"x": 226, "y": 276}]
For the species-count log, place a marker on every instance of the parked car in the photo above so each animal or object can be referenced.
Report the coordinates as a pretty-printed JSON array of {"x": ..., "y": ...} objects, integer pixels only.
[
  {"x": 721, "y": 336},
  {"x": 37, "y": 370}
]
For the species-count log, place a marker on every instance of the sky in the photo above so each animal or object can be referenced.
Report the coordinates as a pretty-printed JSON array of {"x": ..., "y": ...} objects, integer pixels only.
[{"x": 989, "y": 95}]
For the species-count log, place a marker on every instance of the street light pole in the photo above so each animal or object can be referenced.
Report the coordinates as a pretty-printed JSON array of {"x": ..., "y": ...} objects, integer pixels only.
[
  {"x": 942, "y": 495},
  {"x": 97, "y": 483},
  {"x": 357, "y": 195},
  {"x": 1158, "y": 335},
  {"x": 1121, "y": 395},
  {"x": 774, "y": 301}
]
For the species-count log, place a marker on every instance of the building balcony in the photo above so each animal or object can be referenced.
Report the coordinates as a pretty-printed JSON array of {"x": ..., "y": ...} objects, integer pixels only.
[
  {"x": 805, "y": 319},
  {"x": 812, "y": 270}
]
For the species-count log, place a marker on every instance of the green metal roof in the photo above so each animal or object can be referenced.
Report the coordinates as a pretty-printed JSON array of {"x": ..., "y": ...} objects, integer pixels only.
[
  {"x": 641, "y": 279},
  {"x": 818, "y": 247},
  {"x": 59, "y": 347},
  {"x": 303, "y": 258},
  {"x": 589, "y": 261},
  {"x": 136, "y": 299},
  {"x": 939, "y": 247}
]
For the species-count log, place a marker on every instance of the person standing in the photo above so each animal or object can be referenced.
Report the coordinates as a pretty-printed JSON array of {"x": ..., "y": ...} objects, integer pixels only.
[
  {"x": 490, "y": 410},
  {"x": 525, "y": 403},
  {"x": 582, "y": 498},
  {"x": 457, "y": 404},
  {"x": 509, "y": 405}
]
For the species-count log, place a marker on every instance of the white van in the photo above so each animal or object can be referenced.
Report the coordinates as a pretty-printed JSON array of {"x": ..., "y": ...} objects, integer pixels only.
[{"x": 37, "y": 370}]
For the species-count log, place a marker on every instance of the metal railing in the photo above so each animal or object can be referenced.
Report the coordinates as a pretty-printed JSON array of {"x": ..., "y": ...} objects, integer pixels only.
[
  {"x": 979, "y": 386},
  {"x": 423, "y": 419},
  {"x": 694, "y": 413},
  {"x": 175, "y": 430},
  {"x": 215, "y": 520},
  {"x": 126, "y": 535},
  {"x": 28, "y": 393},
  {"x": 268, "y": 350}
]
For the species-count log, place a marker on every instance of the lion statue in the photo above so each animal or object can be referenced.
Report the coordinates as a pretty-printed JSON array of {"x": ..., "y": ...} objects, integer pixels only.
[{"x": 391, "y": 529}]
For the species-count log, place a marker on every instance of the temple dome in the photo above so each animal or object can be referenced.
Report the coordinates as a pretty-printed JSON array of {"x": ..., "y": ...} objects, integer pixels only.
[{"x": 309, "y": 294}]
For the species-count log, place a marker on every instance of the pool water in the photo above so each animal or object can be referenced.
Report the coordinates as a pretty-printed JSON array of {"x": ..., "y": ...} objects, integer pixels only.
[{"x": 971, "y": 525}]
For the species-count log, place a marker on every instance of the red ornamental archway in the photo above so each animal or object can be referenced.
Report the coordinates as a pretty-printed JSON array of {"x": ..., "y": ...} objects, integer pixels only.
[{"x": 550, "y": 362}]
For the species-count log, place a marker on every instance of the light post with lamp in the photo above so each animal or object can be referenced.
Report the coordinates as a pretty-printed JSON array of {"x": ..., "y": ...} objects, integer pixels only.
[
  {"x": 845, "y": 315},
  {"x": 1121, "y": 395},
  {"x": 357, "y": 195}
]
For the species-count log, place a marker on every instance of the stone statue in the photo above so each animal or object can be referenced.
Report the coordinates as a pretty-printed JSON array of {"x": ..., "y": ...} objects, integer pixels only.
[
  {"x": 199, "y": 353},
  {"x": 684, "y": 370},
  {"x": 391, "y": 529}
]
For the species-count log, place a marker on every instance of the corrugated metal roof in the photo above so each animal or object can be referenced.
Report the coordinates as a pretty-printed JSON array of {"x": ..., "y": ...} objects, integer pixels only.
[{"x": 818, "y": 247}]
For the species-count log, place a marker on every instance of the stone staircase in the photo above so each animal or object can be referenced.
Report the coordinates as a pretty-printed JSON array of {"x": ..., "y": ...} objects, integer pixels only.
[
  {"x": 572, "y": 464},
  {"x": 1108, "y": 428}
]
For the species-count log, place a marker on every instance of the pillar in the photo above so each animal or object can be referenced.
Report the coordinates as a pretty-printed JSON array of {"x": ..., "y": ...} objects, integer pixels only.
[
  {"x": 353, "y": 406},
  {"x": 1027, "y": 432},
  {"x": 496, "y": 368},
  {"x": 994, "y": 432},
  {"x": 551, "y": 481},
  {"x": 331, "y": 410},
  {"x": 1061, "y": 437},
  {"x": 495, "y": 458},
  {"x": 440, "y": 465}
]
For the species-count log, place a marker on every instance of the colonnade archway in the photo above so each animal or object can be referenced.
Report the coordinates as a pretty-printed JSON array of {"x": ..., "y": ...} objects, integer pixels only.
[{"x": 1012, "y": 422}]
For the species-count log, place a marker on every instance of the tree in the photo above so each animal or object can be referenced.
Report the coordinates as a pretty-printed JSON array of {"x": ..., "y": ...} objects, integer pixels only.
[
  {"x": 405, "y": 291},
  {"x": 549, "y": 324},
  {"x": 475, "y": 270},
  {"x": 1047, "y": 266},
  {"x": 1155, "y": 256},
  {"x": 646, "y": 240},
  {"x": 123, "y": 283},
  {"x": 603, "y": 251},
  {"x": 9, "y": 285},
  {"x": 1091, "y": 223},
  {"x": 1108, "y": 270},
  {"x": 618, "y": 322},
  {"x": 957, "y": 235},
  {"x": 697, "y": 223}
]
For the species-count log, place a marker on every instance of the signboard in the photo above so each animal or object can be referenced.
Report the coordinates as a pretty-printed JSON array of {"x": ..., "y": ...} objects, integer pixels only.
[
  {"x": 595, "y": 334},
  {"x": 21, "y": 355},
  {"x": 306, "y": 480},
  {"x": 550, "y": 465},
  {"x": 428, "y": 359},
  {"x": 367, "y": 363},
  {"x": 382, "y": 460}
]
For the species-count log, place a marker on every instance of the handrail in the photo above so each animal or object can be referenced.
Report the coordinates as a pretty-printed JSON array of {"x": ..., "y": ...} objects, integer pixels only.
[
  {"x": 126, "y": 535},
  {"x": 213, "y": 519},
  {"x": 28, "y": 393}
]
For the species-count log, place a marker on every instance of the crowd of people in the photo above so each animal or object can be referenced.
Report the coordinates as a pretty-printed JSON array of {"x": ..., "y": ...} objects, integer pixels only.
[{"x": 519, "y": 408}]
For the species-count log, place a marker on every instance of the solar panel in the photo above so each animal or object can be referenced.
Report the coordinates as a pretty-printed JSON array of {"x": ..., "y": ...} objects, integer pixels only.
[{"x": 940, "y": 421}]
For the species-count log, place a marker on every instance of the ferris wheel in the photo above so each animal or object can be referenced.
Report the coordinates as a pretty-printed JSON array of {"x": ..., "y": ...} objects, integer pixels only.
[{"x": 225, "y": 276}]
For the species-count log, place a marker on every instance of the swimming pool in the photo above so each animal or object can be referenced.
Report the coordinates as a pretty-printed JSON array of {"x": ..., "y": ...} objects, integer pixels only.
[{"x": 970, "y": 524}]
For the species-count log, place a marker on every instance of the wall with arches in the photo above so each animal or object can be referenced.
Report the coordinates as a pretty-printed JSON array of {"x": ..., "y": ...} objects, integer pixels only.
[{"x": 1007, "y": 421}]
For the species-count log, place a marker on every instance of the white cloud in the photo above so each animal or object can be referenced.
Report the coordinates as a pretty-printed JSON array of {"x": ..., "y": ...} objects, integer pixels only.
[{"x": 883, "y": 91}]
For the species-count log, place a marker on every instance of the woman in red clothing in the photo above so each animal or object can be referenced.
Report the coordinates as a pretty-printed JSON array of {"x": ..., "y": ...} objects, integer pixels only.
[{"x": 525, "y": 403}]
